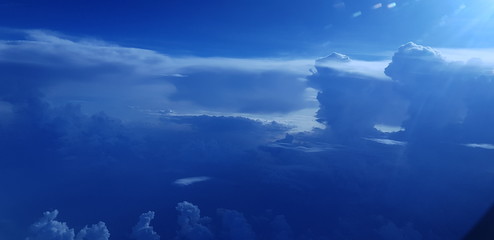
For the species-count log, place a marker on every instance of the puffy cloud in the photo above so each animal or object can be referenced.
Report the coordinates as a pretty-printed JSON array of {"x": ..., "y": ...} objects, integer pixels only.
[
  {"x": 444, "y": 96},
  {"x": 235, "y": 226},
  {"x": 142, "y": 230},
  {"x": 47, "y": 228},
  {"x": 95, "y": 232},
  {"x": 191, "y": 222}
]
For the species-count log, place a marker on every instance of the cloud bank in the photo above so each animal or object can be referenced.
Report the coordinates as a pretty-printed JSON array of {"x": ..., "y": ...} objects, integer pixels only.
[
  {"x": 107, "y": 77},
  {"x": 317, "y": 185}
]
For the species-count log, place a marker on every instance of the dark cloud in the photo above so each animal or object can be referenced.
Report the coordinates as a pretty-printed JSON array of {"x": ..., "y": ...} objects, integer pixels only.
[
  {"x": 191, "y": 223},
  {"x": 235, "y": 226},
  {"x": 224, "y": 89}
]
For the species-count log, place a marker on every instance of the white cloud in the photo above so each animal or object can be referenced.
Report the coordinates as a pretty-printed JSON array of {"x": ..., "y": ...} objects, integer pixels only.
[
  {"x": 373, "y": 70},
  {"x": 95, "y": 232},
  {"x": 386, "y": 141},
  {"x": 190, "y": 180},
  {"x": 142, "y": 230},
  {"x": 480, "y": 145},
  {"x": 388, "y": 128},
  {"x": 47, "y": 228},
  {"x": 108, "y": 77}
]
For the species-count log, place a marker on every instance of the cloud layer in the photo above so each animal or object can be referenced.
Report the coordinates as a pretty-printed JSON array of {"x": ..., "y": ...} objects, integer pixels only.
[{"x": 105, "y": 77}]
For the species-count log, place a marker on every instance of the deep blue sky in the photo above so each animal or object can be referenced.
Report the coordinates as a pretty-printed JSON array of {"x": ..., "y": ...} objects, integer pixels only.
[{"x": 258, "y": 28}]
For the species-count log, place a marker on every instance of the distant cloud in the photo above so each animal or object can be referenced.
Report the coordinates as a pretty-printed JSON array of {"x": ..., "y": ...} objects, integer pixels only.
[
  {"x": 354, "y": 96},
  {"x": 190, "y": 180},
  {"x": 480, "y": 145},
  {"x": 95, "y": 232},
  {"x": 107, "y": 77},
  {"x": 386, "y": 141},
  {"x": 446, "y": 98},
  {"x": 191, "y": 222},
  {"x": 234, "y": 226},
  {"x": 143, "y": 230},
  {"x": 47, "y": 228}
]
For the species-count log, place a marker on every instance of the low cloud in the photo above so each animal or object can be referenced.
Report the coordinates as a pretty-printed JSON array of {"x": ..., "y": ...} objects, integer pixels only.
[
  {"x": 47, "y": 228},
  {"x": 191, "y": 223}
]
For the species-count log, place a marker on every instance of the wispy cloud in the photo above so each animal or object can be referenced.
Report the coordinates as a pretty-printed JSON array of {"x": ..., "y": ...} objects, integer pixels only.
[
  {"x": 386, "y": 141},
  {"x": 480, "y": 145},
  {"x": 190, "y": 180}
]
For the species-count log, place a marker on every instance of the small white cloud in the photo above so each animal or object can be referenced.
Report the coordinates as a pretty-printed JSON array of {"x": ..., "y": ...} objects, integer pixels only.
[
  {"x": 392, "y": 5},
  {"x": 356, "y": 14},
  {"x": 480, "y": 145},
  {"x": 377, "y": 5},
  {"x": 388, "y": 128},
  {"x": 387, "y": 141},
  {"x": 190, "y": 180},
  {"x": 313, "y": 148}
]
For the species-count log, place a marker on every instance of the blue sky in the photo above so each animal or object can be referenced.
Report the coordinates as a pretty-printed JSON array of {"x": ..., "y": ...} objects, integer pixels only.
[
  {"x": 245, "y": 119},
  {"x": 260, "y": 28}
]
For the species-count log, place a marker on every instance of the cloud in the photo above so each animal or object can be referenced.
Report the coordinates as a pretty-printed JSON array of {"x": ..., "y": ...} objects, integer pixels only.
[
  {"x": 190, "y": 180},
  {"x": 95, "y": 232},
  {"x": 191, "y": 222},
  {"x": 386, "y": 141},
  {"x": 105, "y": 77},
  {"x": 235, "y": 226},
  {"x": 480, "y": 145},
  {"x": 142, "y": 230},
  {"x": 47, "y": 228},
  {"x": 445, "y": 98},
  {"x": 352, "y": 99}
]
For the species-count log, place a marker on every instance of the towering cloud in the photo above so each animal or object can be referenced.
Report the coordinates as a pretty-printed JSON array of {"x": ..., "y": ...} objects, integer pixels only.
[
  {"x": 445, "y": 98},
  {"x": 142, "y": 230},
  {"x": 191, "y": 223},
  {"x": 47, "y": 228},
  {"x": 352, "y": 101}
]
